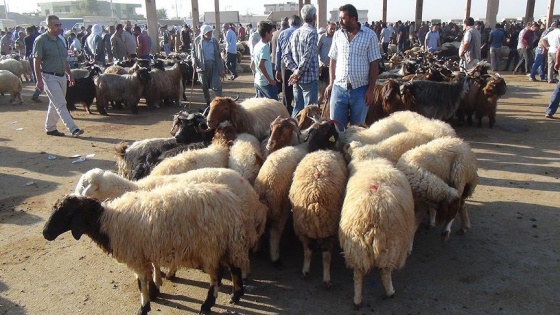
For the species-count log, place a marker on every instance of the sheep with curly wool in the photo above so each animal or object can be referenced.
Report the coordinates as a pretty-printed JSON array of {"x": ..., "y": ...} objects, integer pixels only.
[
  {"x": 105, "y": 185},
  {"x": 252, "y": 116},
  {"x": 245, "y": 156},
  {"x": 377, "y": 221},
  {"x": 12, "y": 65},
  {"x": 397, "y": 122},
  {"x": 190, "y": 225},
  {"x": 126, "y": 88},
  {"x": 316, "y": 196},
  {"x": 275, "y": 178},
  {"x": 165, "y": 84},
  {"x": 25, "y": 70},
  {"x": 10, "y": 83},
  {"x": 443, "y": 173}
]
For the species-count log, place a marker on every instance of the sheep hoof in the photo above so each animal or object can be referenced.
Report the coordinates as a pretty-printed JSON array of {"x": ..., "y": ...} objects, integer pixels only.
[
  {"x": 391, "y": 296},
  {"x": 236, "y": 297},
  {"x": 462, "y": 232},
  {"x": 327, "y": 285},
  {"x": 305, "y": 276},
  {"x": 444, "y": 237},
  {"x": 144, "y": 310},
  {"x": 153, "y": 290},
  {"x": 171, "y": 277},
  {"x": 278, "y": 264},
  {"x": 357, "y": 306}
]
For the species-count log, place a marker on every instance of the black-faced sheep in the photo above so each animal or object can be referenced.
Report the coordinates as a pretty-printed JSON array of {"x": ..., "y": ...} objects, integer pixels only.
[
  {"x": 10, "y": 83},
  {"x": 183, "y": 214},
  {"x": 83, "y": 91},
  {"x": 316, "y": 196},
  {"x": 126, "y": 88},
  {"x": 443, "y": 173},
  {"x": 377, "y": 222},
  {"x": 252, "y": 116}
]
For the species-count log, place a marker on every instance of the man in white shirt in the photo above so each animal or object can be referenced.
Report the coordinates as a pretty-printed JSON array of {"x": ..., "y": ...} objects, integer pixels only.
[
  {"x": 385, "y": 38},
  {"x": 551, "y": 42}
]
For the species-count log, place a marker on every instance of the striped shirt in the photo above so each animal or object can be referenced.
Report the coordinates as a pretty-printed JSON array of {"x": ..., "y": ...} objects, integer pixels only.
[
  {"x": 353, "y": 58},
  {"x": 283, "y": 42},
  {"x": 302, "y": 54}
]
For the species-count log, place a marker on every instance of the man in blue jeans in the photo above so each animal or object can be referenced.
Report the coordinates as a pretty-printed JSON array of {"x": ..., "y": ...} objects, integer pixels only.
[
  {"x": 555, "y": 97},
  {"x": 230, "y": 40},
  {"x": 353, "y": 69}
]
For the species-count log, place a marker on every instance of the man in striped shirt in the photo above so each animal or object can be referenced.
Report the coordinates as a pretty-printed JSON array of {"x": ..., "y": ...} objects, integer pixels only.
[
  {"x": 353, "y": 69},
  {"x": 302, "y": 58}
]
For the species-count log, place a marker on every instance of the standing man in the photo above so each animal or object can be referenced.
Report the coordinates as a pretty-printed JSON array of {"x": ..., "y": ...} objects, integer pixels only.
[
  {"x": 555, "y": 97},
  {"x": 550, "y": 41},
  {"x": 166, "y": 40},
  {"x": 432, "y": 42},
  {"x": 207, "y": 62},
  {"x": 29, "y": 40},
  {"x": 353, "y": 69},
  {"x": 282, "y": 72},
  {"x": 144, "y": 43},
  {"x": 107, "y": 42},
  {"x": 385, "y": 38},
  {"x": 525, "y": 47},
  {"x": 241, "y": 32},
  {"x": 497, "y": 37},
  {"x": 230, "y": 40},
  {"x": 118, "y": 46},
  {"x": 186, "y": 39},
  {"x": 324, "y": 46},
  {"x": 469, "y": 51},
  {"x": 265, "y": 85},
  {"x": 129, "y": 40},
  {"x": 51, "y": 68},
  {"x": 302, "y": 58}
]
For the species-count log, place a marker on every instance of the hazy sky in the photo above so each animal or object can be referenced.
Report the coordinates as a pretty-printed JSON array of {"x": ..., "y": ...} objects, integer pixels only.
[{"x": 396, "y": 9}]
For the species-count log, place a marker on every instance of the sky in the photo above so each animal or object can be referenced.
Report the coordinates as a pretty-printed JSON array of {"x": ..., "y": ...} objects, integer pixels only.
[{"x": 396, "y": 9}]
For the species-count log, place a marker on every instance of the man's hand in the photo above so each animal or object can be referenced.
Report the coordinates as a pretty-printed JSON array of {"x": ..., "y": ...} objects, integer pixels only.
[
  {"x": 294, "y": 79},
  {"x": 327, "y": 93},
  {"x": 271, "y": 82},
  {"x": 557, "y": 67},
  {"x": 370, "y": 99},
  {"x": 279, "y": 76},
  {"x": 71, "y": 79},
  {"x": 40, "y": 85}
]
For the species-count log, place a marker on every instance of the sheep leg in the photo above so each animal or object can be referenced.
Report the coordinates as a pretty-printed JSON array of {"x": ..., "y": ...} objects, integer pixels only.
[
  {"x": 276, "y": 231},
  {"x": 157, "y": 275},
  {"x": 465, "y": 219},
  {"x": 172, "y": 273},
  {"x": 432, "y": 212},
  {"x": 237, "y": 281},
  {"x": 492, "y": 120},
  {"x": 143, "y": 280},
  {"x": 446, "y": 231},
  {"x": 327, "y": 249},
  {"x": 307, "y": 253},
  {"x": 387, "y": 282},
  {"x": 212, "y": 291},
  {"x": 358, "y": 282}
]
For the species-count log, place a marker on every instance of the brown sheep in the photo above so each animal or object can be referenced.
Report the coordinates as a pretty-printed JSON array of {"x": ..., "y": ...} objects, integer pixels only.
[
  {"x": 283, "y": 132},
  {"x": 387, "y": 100},
  {"x": 308, "y": 115},
  {"x": 486, "y": 106}
]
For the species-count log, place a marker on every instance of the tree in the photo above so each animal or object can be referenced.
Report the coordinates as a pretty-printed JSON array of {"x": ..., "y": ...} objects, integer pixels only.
[{"x": 161, "y": 14}]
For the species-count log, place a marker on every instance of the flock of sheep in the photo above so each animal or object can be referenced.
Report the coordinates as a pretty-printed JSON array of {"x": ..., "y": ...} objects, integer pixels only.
[{"x": 205, "y": 196}]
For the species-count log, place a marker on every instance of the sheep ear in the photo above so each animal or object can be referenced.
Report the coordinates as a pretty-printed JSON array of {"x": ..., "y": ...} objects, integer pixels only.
[
  {"x": 88, "y": 191},
  {"x": 78, "y": 225}
]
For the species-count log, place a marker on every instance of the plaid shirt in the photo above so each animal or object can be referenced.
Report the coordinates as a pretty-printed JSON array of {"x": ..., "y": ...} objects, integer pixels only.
[
  {"x": 353, "y": 58},
  {"x": 302, "y": 54}
]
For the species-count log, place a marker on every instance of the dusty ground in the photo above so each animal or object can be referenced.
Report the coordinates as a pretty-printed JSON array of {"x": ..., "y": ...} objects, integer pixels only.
[{"x": 508, "y": 263}]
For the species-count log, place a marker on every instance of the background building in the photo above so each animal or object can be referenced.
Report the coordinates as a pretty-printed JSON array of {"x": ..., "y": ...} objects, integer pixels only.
[
  {"x": 362, "y": 16},
  {"x": 288, "y": 6},
  {"x": 81, "y": 8}
]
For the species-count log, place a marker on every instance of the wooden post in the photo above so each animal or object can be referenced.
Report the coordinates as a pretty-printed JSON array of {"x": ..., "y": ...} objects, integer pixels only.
[
  {"x": 529, "y": 13},
  {"x": 550, "y": 12},
  {"x": 300, "y": 5},
  {"x": 418, "y": 16},
  {"x": 306, "y": 1},
  {"x": 195, "y": 14},
  {"x": 153, "y": 29},
  {"x": 322, "y": 17},
  {"x": 217, "y": 19},
  {"x": 468, "y": 9},
  {"x": 491, "y": 12},
  {"x": 384, "y": 10}
]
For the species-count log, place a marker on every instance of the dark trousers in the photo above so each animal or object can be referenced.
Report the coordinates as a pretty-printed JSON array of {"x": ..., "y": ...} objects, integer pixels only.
[
  {"x": 513, "y": 55},
  {"x": 385, "y": 47},
  {"x": 525, "y": 56},
  {"x": 231, "y": 63},
  {"x": 288, "y": 91}
]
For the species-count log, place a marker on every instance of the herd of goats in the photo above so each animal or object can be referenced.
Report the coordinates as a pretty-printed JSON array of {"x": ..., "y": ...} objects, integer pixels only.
[{"x": 205, "y": 197}]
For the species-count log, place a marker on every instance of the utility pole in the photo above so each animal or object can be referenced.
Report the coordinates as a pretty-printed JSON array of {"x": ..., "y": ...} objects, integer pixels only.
[{"x": 5, "y": 9}]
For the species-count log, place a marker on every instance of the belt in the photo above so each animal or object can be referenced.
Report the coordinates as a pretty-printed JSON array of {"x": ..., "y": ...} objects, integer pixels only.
[
  {"x": 348, "y": 86},
  {"x": 55, "y": 73}
]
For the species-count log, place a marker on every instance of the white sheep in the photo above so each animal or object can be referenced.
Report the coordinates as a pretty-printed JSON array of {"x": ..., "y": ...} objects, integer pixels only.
[
  {"x": 11, "y": 83},
  {"x": 12, "y": 65},
  {"x": 25, "y": 69},
  {"x": 246, "y": 157},
  {"x": 397, "y": 122},
  {"x": 190, "y": 225},
  {"x": 252, "y": 116},
  {"x": 215, "y": 155},
  {"x": 316, "y": 197},
  {"x": 442, "y": 172},
  {"x": 377, "y": 221}
]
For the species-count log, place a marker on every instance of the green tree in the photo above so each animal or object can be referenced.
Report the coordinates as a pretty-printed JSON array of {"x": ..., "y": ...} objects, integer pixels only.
[{"x": 161, "y": 14}]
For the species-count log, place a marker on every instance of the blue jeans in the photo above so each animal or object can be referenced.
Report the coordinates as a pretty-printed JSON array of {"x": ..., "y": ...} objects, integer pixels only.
[
  {"x": 538, "y": 65},
  {"x": 351, "y": 102},
  {"x": 554, "y": 101},
  {"x": 167, "y": 49},
  {"x": 231, "y": 63},
  {"x": 305, "y": 94},
  {"x": 267, "y": 91}
]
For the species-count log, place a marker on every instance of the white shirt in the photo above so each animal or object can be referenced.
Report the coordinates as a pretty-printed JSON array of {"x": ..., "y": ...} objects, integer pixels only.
[
  {"x": 385, "y": 35},
  {"x": 553, "y": 39}
]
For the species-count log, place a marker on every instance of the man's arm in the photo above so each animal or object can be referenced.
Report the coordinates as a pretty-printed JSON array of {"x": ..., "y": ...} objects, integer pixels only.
[
  {"x": 373, "y": 73},
  {"x": 37, "y": 68},
  {"x": 139, "y": 45}
]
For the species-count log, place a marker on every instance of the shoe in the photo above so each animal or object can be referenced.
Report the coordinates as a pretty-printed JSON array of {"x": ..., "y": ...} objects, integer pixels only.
[
  {"x": 532, "y": 79},
  {"x": 549, "y": 116},
  {"x": 36, "y": 99},
  {"x": 78, "y": 132},
  {"x": 55, "y": 133}
]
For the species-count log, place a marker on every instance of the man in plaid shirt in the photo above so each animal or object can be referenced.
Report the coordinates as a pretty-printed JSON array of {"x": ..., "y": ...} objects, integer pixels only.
[
  {"x": 353, "y": 69},
  {"x": 302, "y": 58}
]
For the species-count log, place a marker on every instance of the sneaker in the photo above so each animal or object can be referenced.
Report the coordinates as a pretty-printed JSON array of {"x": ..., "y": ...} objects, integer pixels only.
[
  {"x": 532, "y": 79},
  {"x": 55, "y": 133},
  {"x": 78, "y": 132},
  {"x": 36, "y": 99},
  {"x": 549, "y": 116}
]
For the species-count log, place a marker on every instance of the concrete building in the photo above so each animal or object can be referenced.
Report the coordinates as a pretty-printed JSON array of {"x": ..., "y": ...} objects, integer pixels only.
[
  {"x": 276, "y": 7},
  {"x": 362, "y": 16},
  {"x": 66, "y": 9}
]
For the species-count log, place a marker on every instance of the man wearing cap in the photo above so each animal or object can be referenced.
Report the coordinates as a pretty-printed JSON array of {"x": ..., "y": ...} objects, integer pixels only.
[
  {"x": 231, "y": 50},
  {"x": 207, "y": 62}
]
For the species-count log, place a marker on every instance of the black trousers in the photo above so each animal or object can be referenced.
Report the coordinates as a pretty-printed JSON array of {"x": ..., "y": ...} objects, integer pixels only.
[{"x": 288, "y": 91}]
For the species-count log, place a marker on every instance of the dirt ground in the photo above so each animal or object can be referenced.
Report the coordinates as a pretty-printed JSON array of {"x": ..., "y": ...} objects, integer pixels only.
[{"x": 509, "y": 263}]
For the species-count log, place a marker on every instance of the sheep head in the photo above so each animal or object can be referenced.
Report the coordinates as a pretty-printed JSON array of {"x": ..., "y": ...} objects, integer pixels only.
[
  {"x": 158, "y": 64},
  {"x": 143, "y": 75},
  {"x": 392, "y": 100},
  {"x": 225, "y": 134},
  {"x": 323, "y": 136},
  {"x": 70, "y": 214},
  {"x": 190, "y": 127},
  {"x": 496, "y": 86},
  {"x": 308, "y": 115},
  {"x": 221, "y": 108},
  {"x": 281, "y": 132}
]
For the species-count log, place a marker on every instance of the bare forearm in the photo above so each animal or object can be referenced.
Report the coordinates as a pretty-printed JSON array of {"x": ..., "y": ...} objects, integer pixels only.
[
  {"x": 332, "y": 71},
  {"x": 37, "y": 68},
  {"x": 373, "y": 72}
]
